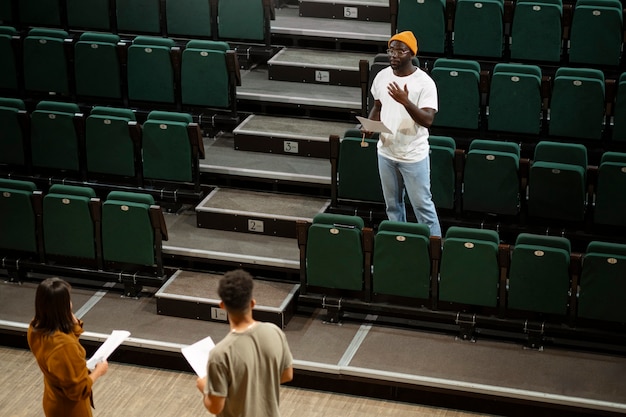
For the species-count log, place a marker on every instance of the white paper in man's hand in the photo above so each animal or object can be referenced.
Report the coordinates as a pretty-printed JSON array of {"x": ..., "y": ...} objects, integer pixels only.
[
  {"x": 373, "y": 125},
  {"x": 198, "y": 354},
  {"x": 104, "y": 351}
]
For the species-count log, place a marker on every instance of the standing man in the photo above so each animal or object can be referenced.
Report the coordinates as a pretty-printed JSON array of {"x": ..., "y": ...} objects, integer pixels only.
[
  {"x": 246, "y": 368},
  {"x": 406, "y": 102}
]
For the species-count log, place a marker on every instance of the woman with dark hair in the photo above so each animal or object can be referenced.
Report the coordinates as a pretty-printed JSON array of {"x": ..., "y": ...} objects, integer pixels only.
[{"x": 53, "y": 339}]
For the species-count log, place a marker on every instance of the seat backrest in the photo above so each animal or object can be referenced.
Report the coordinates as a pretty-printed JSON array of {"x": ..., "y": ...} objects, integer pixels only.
[
  {"x": 469, "y": 271},
  {"x": 45, "y": 61},
  {"x": 478, "y": 28},
  {"x": 54, "y": 138},
  {"x": 150, "y": 70},
  {"x": 8, "y": 69},
  {"x": 97, "y": 65},
  {"x": 138, "y": 16},
  {"x": 40, "y": 12},
  {"x": 602, "y": 293},
  {"x": 563, "y": 153},
  {"x": 17, "y": 218},
  {"x": 205, "y": 79},
  {"x": 241, "y": 19},
  {"x": 189, "y": 18},
  {"x": 610, "y": 202},
  {"x": 67, "y": 222},
  {"x": 459, "y": 93},
  {"x": 539, "y": 278},
  {"x": 515, "y": 99},
  {"x": 358, "y": 177},
  {"x": 93, "y": 14},
  {"x": 127, "y": 232},
  {"x": 334, "y": 252},
  {"x": 167, "y": 151},
  {"x": 442, "y": 170},
  {"x": 12, "y": 110},
  {"x": 402, "y": 260},
  {"x": 596, "y": 32},
  {"x": 427, "y": 20},
  {"x": 536, "y": 31},
  {"x": 108, "y": 142}
]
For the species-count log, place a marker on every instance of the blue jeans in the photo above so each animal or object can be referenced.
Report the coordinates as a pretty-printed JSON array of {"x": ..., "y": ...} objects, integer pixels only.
[{"x": 395, "y": 177}]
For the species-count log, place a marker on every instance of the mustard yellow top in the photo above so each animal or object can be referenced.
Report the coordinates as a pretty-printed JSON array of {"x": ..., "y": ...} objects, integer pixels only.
[{"x": 67, "y": 385}]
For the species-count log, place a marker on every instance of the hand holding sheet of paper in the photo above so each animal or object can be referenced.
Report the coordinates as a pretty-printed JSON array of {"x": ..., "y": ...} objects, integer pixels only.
[
  {"x": 107, "y": 348},
  {"x": 373, "y": 125},
  {"x": 198, "y": 354}
]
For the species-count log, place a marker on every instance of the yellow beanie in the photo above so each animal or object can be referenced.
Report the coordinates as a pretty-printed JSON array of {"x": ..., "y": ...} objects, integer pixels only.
[{"x": 406, "y": 38}]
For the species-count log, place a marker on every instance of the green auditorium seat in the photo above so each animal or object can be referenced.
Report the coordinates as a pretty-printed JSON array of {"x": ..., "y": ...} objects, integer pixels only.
[
  {"x": 515, "y": 99},
  {"x": 130, "y": 233},
  {"x": 402, "y": 260},
  {"x": 13, "y": 119},
  {"x": 40, "y": 12},
  {"x": 205, "y": 77},
  {"x": 619, "y": 112},
  {"x": 358, "y": 177},
  {"x": 491, "y": 181},
  {"x": 536, "y": 32},
  {"x": 6, "y": 12},
  {"x": 17, "y": 216},
  {"x": 112, "y": 142},
  {"x": 189, "y": 18},
  {"x": 610, "y": 203},
  {"x": 242, "y": 19},
  {"x": 442, "y": 170},
  {"x": 138, "y": 16},
  {"x": 150, "y": 70},
  {"x": 602, "y": 294},
  {"x": 459, "y": 93},
  {"x": 479, "y": 28},
  {"x": 557, "y": 183},
  {"x": 577, "y": 103},
  {"x": 8, "y": 68},
  {"x": 170, "y": 151},
  {"x": 92, "y": 14},
  {"x": 427, "y": 20},
  {"x": 469, "y": 271},
  {"x": 97, "y": 65},
  {"x": 54, "y": 137},
  {"x": 334, "y": 252},
  {"x": 539, "y": 279},
  {"x": 596, "y": 32},
  {"x": 68, "y": 225},
  {"x": 45, "y": 61}
]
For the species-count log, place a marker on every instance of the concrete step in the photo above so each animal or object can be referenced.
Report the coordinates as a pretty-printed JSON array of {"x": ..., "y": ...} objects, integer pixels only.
[
  {"x": 363, "y": 10},
  {"x": 317, "y": 66},
  {"x": 286, "y": 135},
  {"x": 256, "y": 212}
]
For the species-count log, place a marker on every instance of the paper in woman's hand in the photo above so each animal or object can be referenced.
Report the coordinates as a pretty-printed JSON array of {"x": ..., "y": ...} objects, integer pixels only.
[
  {"x": 198, "y": 354},
  {"x": 373, "y": 125},
  {"x": 104, "y": 351}
]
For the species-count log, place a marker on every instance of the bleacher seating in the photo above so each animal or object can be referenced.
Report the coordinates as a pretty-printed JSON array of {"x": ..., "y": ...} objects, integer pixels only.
[
  {"x": 190, "y": 18},
  {"x": 18, "y": 220},
  {"x": 89, "y": 15},
  {"x": 427, "y": 20},
  {"x": 9, "y": 68},
  {"x": 479, "y": 28},
  {"x": 151, "y": 76},
  {"x": 139, "y": 16},
  {"x": 98, "y": 70},
  {"x": 443, "y": 171},
  {"x": 459, "y": 93},
  {"x": 46, "y": 61},
  {"x": 12, "y": 120},
  {"x": 610, "y": 202},
  {"x": 40, "y": 12}
]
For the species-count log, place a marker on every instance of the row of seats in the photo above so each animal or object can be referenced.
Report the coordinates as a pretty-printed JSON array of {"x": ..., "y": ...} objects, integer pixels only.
[
  {"x": 100, "y": 66},
  {"x": 246, "y": 20},
  {"x": 574, "y": 103},
  {"x": 107, "y": 142},
  {"x": 538, "y": 276},
  {"x": 491, "y": 177},
  {"x": 589, "y": 32},
  {"x": 123, "y": 232}
]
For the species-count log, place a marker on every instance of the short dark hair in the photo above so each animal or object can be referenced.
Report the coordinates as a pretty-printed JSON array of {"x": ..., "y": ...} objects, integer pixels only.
[
  {"x": 52, "y": 306},
  {"x": 235, "y": 290}
]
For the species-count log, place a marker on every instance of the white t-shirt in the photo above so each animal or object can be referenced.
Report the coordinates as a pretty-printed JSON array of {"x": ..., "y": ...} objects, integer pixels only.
[{"x": 409, "y": 142}]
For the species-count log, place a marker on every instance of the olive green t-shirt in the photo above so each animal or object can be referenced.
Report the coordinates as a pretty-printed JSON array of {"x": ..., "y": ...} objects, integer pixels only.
[{"x": 245, "y": 367}]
